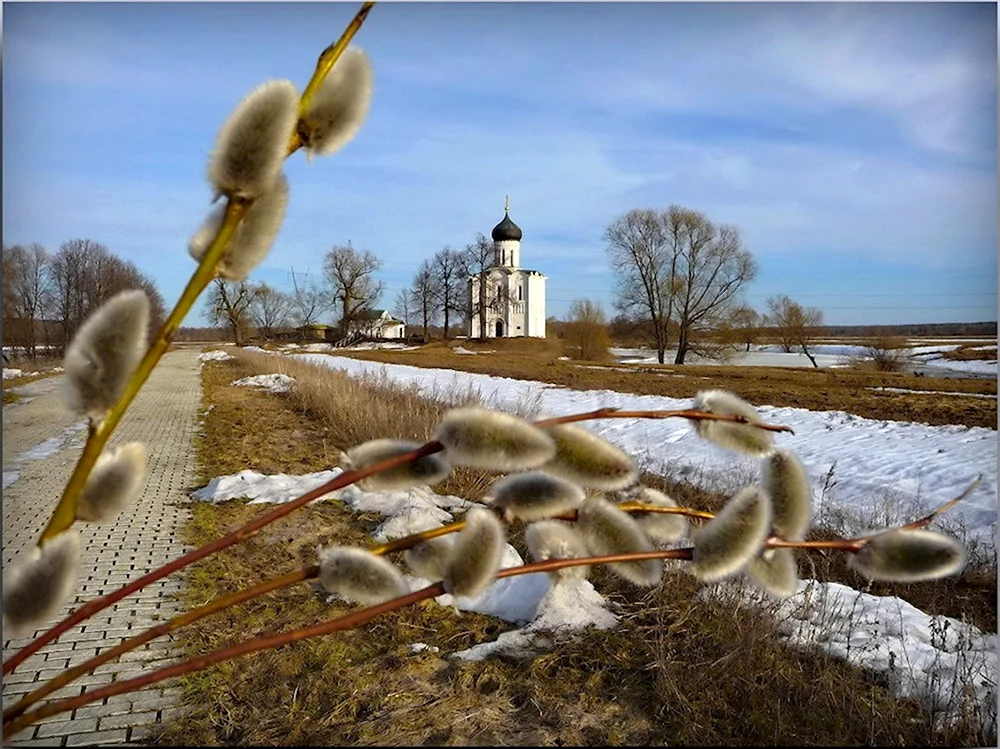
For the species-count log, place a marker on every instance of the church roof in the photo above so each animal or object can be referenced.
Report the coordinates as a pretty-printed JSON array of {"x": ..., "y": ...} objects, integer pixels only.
[{"x": 506, "y": 229}]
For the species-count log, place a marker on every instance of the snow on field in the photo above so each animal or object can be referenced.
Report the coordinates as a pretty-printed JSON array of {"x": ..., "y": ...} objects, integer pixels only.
[
  {"x": 767, "y": 356},
  {"x": 924, "y": 657},
  {"x": 274, "y": 383},
  {"x": 877, "y": 465},
  {"x": 979, "y": 367},
  {"x": 929, "y": 657},
  {"x": 214, "y": 356},
  {"x": 11, "y": 373}
]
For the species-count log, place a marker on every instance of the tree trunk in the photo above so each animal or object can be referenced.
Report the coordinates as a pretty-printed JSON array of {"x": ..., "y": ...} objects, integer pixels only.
[
  {"x": 811, "y": 357},
  {"x": 660, "y": 355},
  {"x": 682, "y": 349}
]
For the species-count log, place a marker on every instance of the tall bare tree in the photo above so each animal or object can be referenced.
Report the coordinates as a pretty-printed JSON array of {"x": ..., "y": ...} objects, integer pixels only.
[
  {"x": 450, "y": 276},
  {"x": 477, "y": 260},
  {"x": 679, "y": 270},
  {"x": 795, "y": 325},
  {"x": 403, "y": 306},
  {"x": 229, "y": 304},
  {"x": 642, "y": 262},
  {"x": 84, "y": 274},
  {"x": 269, "y": 309},
  {"x": 425, "y": 293},
  {"x": 351, "y": 275},
  {"x": 27, "y": 286},
  {"x": 308, "y": 299}
]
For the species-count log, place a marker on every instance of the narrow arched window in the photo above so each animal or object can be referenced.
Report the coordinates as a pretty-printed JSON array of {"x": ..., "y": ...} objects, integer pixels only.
[{"x": 519, "y": 297}]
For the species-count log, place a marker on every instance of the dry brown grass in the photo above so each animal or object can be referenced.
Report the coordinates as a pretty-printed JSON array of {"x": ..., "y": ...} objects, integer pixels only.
[
  {"x": 816, "y": 389},
  {"x": 971, "y": 352},
  {"x": 676, "y": 670}
]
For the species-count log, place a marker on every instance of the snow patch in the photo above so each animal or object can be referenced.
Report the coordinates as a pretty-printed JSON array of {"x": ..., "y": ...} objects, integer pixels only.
[
  {"x": 214, "y": 356},
  {"x": 274, "y": 383},
  {"x": 9, "y": 374}
]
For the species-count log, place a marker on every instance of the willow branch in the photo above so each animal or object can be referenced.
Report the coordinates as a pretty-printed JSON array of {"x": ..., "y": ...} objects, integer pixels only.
[
  {"x": 65, "y": 513},
  {"x": 240, "y": 534}
]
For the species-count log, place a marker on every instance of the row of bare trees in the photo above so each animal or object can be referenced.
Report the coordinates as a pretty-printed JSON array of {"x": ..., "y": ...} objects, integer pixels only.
[{"x": 47, "y": 297}]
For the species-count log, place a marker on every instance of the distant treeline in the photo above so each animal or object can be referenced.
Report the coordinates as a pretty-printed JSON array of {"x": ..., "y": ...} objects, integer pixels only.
[{"x": 936, "y": 329}]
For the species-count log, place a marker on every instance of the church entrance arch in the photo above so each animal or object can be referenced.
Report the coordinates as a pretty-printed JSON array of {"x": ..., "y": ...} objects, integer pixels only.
[{"x": 499, "y": 328}]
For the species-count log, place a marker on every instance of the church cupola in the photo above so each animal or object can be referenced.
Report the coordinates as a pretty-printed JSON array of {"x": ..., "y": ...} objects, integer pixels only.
[{"x": 507, "y": 239}]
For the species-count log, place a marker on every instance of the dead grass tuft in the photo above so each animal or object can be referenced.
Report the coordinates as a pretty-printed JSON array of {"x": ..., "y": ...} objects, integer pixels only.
[{"x": 677, "y": 670}]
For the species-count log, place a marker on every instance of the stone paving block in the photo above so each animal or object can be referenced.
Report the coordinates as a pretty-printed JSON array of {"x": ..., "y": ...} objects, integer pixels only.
[
  {"x": 165, "y": 416},
  {"x": 127, "y": 720},
  {"x": 117, "y": 736}
]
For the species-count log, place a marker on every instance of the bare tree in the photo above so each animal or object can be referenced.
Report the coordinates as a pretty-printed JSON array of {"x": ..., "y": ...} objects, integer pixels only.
[
  {"x": 269, "y": 309},
  {"x": 478, "y": 258},
  {"x": 794, "y": 324},
  {"x": 84, "y": 274},
  {"x": 637, "y": 247},
  {"x": 887, "y": 353},
  {"x": 586, "y": 332},
  {"x": 744, "y": 324},
  {"x": 351, "y": 275},
  {"x": 27, "y": 286},
  {"x": 449, "y": 274},
  {"x": 678, "y": 270},
  {"x": 229, "y": 304},
  {"x": 712, "y": 267},
  {"x": 308, "y": 300},
  {"x": 425, "y": 293},
  {"x": 403, "y": 306}
]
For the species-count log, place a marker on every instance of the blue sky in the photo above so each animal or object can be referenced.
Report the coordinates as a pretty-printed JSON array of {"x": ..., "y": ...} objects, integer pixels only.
[{"x": 854, "y": 145}]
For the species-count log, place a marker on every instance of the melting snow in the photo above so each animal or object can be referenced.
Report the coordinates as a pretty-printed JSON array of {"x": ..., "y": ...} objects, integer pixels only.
[
  {"x": 274, "y": 383},
  {"x": 214, "y": 356},
  {"x": 11, "y": 373}
]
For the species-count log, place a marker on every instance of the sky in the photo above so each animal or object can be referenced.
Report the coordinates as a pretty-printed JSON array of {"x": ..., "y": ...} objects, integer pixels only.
[{"x": 854, "y": 145}]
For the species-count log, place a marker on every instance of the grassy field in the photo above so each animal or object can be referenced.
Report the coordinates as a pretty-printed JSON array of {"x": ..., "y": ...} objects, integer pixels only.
[
  {"x": 815, "y": 389},
  {"x": 674, "y": 671}
]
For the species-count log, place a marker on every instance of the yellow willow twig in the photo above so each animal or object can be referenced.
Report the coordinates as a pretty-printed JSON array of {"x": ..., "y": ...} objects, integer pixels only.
[
  {"x": 324, "y": 65},
  {"x": 65, "y": 513}
]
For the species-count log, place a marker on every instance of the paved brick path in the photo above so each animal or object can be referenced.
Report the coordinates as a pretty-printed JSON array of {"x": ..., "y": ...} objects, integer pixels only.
[{"x": 164, "y": 416}]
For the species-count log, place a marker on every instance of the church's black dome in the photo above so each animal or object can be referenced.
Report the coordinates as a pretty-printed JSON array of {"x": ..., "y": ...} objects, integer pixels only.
[{"x": 506, "y": 229}]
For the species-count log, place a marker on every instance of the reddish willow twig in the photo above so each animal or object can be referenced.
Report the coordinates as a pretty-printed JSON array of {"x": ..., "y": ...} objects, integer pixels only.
[
  {"x": 344, "y": 479},
  {"x": 851, "y": 545}
]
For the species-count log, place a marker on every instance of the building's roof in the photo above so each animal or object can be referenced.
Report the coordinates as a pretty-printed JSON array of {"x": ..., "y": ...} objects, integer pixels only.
[
  {"x": 374, "y": 314},
  {"x": 506, "y": 229}
]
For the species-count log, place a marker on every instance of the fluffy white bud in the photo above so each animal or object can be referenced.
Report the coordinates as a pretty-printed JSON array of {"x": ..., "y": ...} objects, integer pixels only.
[
  {"x": 554, "y": 539},
  {"x": 725, "y": 544},
  {"x": 476, "y": 554},
  {"x": 534, "y": 495},
  {"x": 339, "y": 106},
  {"x": 253, "y": 142},
  {"x": 429, "y": 559},
  {"x": 105, "y": 352},
  {"x": 428, "y": 470},
  {"x": 608, "y": 530},
  {"x": 115, "y": 481},
  {"x": 589, "y": 461},
  {"x": 493, "y": 440},
  {"x": 39, "y": 582},
  {"x": 787, "y": 484},
  {"x": 252, "y": 239},
  {"x": 728, "y": 434},
  {"x": 359, "y": 576},
  {"x": 907, "y": 556},
  {"x": 659, "y": 526},
  {"x": 775, "y": 571}
]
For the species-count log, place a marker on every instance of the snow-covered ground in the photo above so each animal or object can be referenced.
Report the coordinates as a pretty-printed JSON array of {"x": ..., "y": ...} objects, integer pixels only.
[
  {"x": 214, "y": 356},
  {"x": 274, "y": 383},
  {"x": 9, "y": 374},
  {"x": 928, "y": 658},
  {"x": 878, "y": 466}
]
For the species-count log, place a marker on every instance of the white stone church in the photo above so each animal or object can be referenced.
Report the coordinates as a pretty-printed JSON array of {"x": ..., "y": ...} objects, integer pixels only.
[{"x": 515, "y": 297}]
